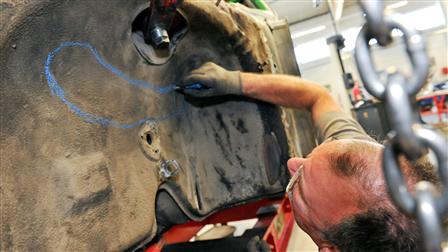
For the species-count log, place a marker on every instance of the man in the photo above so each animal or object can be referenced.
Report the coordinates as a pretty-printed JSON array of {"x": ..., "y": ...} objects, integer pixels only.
[{"x": 338, "y": 193}]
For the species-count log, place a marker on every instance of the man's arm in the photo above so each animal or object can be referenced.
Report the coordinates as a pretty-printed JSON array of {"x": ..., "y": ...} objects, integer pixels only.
[
  {"x": 284, "y": 90},
  {"x": 289, "y": 91}
]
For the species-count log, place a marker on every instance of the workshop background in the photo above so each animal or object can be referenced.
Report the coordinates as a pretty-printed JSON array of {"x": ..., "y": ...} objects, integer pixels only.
[
  {"x": 311, "y": 27},
  {"x": 311, "y": 24}
]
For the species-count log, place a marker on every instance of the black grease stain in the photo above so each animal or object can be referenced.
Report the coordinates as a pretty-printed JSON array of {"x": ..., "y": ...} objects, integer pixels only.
[
  {"x": 221, "y": 145},
  {"x": 92, "y": 201},
  {"x": 223, "y": 126},
  {"x": 241, "y": 127},
  {"x": 240, "y": 161},
  {"x": 222, "y": 178}
]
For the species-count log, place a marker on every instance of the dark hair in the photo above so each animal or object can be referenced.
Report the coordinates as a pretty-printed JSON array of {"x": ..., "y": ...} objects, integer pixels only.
[
  {"x": 381, "y": 227},
  {"x": 375, "y": 230}
]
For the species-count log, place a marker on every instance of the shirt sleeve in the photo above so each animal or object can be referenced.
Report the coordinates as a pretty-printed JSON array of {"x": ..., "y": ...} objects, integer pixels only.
[{"x": 339, "y": 125}]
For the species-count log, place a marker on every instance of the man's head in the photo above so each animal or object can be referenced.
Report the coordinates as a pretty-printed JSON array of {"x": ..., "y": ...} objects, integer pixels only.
[{"x": 340, "y": 199}]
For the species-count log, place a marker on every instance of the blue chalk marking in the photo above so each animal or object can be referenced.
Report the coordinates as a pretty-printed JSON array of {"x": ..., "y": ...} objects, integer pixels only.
[
  {"x": 196, "y": 86},
  {"x": 59, "y": 91}
]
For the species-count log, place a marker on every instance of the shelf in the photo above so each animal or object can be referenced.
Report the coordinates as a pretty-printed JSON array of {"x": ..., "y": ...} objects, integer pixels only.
[
  {"x": 423, "y": 113},
  {"x": 433, "y": 94}
]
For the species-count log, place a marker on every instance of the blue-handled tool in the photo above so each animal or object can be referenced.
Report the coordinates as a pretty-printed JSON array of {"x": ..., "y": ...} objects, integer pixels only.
[{"x": 196, "y": 86}]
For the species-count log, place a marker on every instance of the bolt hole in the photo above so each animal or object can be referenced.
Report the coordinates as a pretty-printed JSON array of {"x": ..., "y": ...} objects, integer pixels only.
[
  {"x": 171, "y": 168},
  {"x": 149, "y": 139}
]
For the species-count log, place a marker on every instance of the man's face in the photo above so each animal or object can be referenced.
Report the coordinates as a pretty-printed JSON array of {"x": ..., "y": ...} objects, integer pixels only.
[{"x": 321, "y": 198}]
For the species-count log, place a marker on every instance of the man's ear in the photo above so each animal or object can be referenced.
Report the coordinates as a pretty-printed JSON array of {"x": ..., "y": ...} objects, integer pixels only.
[{"x": 294, "y": 164}]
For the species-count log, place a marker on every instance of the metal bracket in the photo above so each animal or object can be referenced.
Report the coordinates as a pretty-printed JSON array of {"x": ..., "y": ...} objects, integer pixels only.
[{"x": 168, "y": 169}]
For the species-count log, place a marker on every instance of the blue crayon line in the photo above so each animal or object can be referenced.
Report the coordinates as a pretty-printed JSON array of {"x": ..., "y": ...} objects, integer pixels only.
[{"x": 57, "y": 90}]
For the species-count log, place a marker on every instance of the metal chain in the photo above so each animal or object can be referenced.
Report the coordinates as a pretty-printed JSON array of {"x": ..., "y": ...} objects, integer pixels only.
[{"x": 409, "y": 137}]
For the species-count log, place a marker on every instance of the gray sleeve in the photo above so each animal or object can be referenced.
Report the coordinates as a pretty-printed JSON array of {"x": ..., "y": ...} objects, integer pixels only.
[{"x": 339, "y": 125}]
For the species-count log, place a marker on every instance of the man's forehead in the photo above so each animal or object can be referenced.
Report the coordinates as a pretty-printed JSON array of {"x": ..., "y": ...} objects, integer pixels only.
[{"x": 343, "y": 152}]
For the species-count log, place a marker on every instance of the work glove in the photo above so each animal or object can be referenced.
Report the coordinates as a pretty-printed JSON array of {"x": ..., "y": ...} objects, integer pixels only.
[{"x": 213, "y": 80}]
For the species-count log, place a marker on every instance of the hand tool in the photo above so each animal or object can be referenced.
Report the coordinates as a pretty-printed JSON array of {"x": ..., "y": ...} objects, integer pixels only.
[{"x": 197, "y": 86}]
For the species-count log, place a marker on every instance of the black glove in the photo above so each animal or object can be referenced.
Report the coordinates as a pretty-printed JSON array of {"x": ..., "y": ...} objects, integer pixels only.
[{"x": 215, "y": 81}]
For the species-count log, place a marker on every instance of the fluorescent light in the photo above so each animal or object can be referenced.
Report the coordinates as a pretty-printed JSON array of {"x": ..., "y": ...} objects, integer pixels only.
[
  {"x": 443, "y": 30},
  {"x": 426, "y": 18},
  {"x": 309, "y": 31},
  {"x": 312, "y": 50},
  {"x": 397, "y": 5},
  {"x": 422, "y": 19}
]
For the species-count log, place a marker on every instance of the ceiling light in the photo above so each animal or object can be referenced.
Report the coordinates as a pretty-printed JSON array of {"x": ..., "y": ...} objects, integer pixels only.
[
  {"x": 426, "y": 18},
  {"x": 312, "y": 50},
  {"x": 443, "y": 30},
  {"x": 309, "y": 31},
  {"x": 397, "y": 5}
]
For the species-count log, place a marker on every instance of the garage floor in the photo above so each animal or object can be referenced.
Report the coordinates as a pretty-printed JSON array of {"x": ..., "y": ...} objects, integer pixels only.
[{"x": 301, "y": 242}]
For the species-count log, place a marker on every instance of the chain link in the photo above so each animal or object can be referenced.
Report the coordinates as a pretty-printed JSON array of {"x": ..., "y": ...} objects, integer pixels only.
[
  {"x": 376, "y": 22},
  {"x": 426, "y": 204}
]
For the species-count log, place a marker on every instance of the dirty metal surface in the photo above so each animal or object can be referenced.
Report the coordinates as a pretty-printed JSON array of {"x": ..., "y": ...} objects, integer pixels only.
[{"x": 86, "y": 124}]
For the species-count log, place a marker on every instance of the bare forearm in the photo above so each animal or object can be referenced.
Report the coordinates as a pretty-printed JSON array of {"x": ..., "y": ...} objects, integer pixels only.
[
  {"x": 289, "y": 91},
  {"x": 283, "y": 90}
]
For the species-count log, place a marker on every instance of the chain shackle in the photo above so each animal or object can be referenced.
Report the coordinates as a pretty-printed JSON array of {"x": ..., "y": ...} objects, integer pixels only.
[
  {"x": 375, "y": 20},
  {"x": 416, "y": 51}
]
